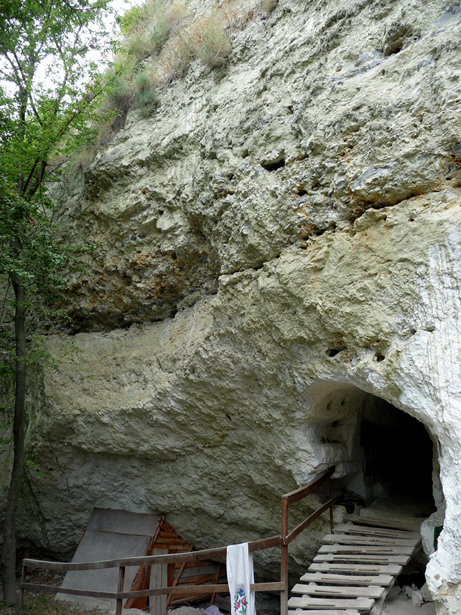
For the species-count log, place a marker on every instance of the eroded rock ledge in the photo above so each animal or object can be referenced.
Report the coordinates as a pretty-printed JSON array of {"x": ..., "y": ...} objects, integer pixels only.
[{"x": 326, "y": 110}]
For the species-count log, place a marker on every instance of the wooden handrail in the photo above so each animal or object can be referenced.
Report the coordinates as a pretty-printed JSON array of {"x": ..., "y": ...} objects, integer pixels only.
[
  {"x": 287, "y": 537},
  {"x": 315, "y": 483},
  {"x": 282, "y": 541},
  {"x": 220, "y": 588},
  {"x": 152, "y": 560},
  {"x": 315, "y": 515},
  {"x": 121, "y": 564}
]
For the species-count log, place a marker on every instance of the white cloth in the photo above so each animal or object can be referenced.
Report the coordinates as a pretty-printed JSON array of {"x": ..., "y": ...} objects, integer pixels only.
[{"x": 239, "y": 566}]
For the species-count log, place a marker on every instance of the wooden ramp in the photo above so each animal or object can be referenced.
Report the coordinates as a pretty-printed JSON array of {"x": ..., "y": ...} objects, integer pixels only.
[{"x": 355, "y": 569}]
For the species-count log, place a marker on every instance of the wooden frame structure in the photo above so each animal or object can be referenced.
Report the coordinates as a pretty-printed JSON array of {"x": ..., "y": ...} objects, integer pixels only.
[{"x": 282, "y": 541}]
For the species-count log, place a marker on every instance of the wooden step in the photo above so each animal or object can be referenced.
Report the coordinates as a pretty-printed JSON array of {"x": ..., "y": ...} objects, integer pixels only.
[
  {"x": 321, "y": 612},
  {"x": 363, "y": 558},
  {"x": 347, "y": 539},
  {"x": 338, "y": 592},
  {"x": 350, "y": 528},
  {"x": 359, "y": 604},
  {"x": 375, "y": 550},
  {"x": 386, "y": 523},
  {"x": 347, "y": 579},
  {"x": 365, "y": 569}
]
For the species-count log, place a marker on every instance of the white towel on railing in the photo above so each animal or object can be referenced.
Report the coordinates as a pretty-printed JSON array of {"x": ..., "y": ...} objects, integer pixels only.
[{"x": 239, "y": 565}]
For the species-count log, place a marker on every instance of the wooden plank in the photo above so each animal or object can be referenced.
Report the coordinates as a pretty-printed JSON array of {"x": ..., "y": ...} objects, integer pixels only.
[
  {"x": 167, "y": 527},
  {"x": 123, "y": 522},
  {"x": 363, "y": 558},
  {"x": 315, "y": 515},
  {"x": 387, "y": 523},
  {"x": 347, "y": 539},
  {"x": 360, "y": 604},
  {"x": 375, "y": 550},
  {"x": 170, "y": 541},
  {"x": 153, "y": 560},
  {"x": 347, "y": 579},
  {"x": 158, "y": 578},
  {"x": 312, "y": 589},
  {"x": 365, "y": 569},
  {"x": 310, "y": 487},
  {"x": 350, "y": 528},
  {"x": 196, "y": 564},
  {"x": 264, "y": 543},
  {"x": 176, "y": 580},
  {"x": 198, "y": 580}
]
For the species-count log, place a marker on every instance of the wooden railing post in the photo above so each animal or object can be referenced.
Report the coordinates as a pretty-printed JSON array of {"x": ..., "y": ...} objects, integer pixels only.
[
  {"x": 20, "y": 601},
  {"x": 121, "y": 584},
  {"x": 284, "y": 560},
  {"x": 331, "y": 506}
]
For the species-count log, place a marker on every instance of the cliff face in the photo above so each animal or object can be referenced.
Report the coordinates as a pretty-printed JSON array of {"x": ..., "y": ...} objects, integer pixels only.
[{"x": 276, "y": 247}]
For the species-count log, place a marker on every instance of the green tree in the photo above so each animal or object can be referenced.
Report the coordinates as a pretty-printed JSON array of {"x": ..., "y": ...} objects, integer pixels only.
[{"x": 49, "y": 93}]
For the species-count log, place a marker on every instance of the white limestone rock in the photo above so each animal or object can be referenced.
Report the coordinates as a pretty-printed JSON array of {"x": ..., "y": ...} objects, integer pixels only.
[{"x": 277, "y": 247}]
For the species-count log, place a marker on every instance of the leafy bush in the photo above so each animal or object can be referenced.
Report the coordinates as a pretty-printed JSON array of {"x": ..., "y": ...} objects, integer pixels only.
[
  {"x": 120, "y": 93},
  {"x": 164, "y": 37},
  {"x": 147, "y": 28},
  {"x": 146, "y": 96}
]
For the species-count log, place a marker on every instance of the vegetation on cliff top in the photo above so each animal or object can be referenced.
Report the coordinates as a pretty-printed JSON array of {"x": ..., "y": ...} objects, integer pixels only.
[{"x": 160, "y": 40}]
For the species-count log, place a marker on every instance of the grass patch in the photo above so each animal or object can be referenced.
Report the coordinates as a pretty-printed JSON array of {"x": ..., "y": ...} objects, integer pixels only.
[
  {"x": 215, "y": 46},
  {"x": 161, "y": 38},
  {"x": 147, "y": 27},
  {"x": 145, "y": 98}
]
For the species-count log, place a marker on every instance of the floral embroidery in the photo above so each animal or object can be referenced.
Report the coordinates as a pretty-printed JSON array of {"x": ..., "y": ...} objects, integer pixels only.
[{"x": 240, "y": 601}]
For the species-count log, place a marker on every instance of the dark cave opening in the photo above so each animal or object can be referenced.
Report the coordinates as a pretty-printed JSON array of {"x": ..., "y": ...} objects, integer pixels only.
[
  {"x": 397, "y": 452},
  {"x": 379, "y": 450}
]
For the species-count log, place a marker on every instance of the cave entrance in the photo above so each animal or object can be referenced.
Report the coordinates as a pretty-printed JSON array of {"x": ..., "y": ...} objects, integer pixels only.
[
  {"x": 397, "y": 454},
  {"x": 381, "y": 452}
]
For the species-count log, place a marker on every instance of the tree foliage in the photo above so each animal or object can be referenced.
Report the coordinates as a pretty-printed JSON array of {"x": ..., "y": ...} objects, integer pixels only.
[
  {"x": 50, "y": 83},
  {"x": 49, "y": 96}
]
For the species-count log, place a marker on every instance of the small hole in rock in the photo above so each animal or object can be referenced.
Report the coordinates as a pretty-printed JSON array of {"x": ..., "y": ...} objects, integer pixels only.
[
  {"x": 273, "y": 166},
  {"x": 332, "y": 352},
  {"x": 301, "y": 191},
  {"x": 379, "y": 357},
  {"x": 412, "y": 219}
]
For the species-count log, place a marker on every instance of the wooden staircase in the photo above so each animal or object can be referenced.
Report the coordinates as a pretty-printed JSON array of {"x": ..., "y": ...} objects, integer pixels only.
[{"x": 354, "y": 571}]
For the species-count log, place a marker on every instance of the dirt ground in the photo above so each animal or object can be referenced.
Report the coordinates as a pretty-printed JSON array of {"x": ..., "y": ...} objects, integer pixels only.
[{"x": 44, "y": 604}]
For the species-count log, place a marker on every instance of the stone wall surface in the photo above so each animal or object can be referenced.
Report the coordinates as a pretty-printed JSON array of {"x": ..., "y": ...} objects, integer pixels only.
[{"x": 278, "y": 242}]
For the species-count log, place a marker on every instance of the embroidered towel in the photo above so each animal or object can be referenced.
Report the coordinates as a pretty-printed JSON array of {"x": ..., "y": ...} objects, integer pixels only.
[{"x": 239, "y": 565}]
